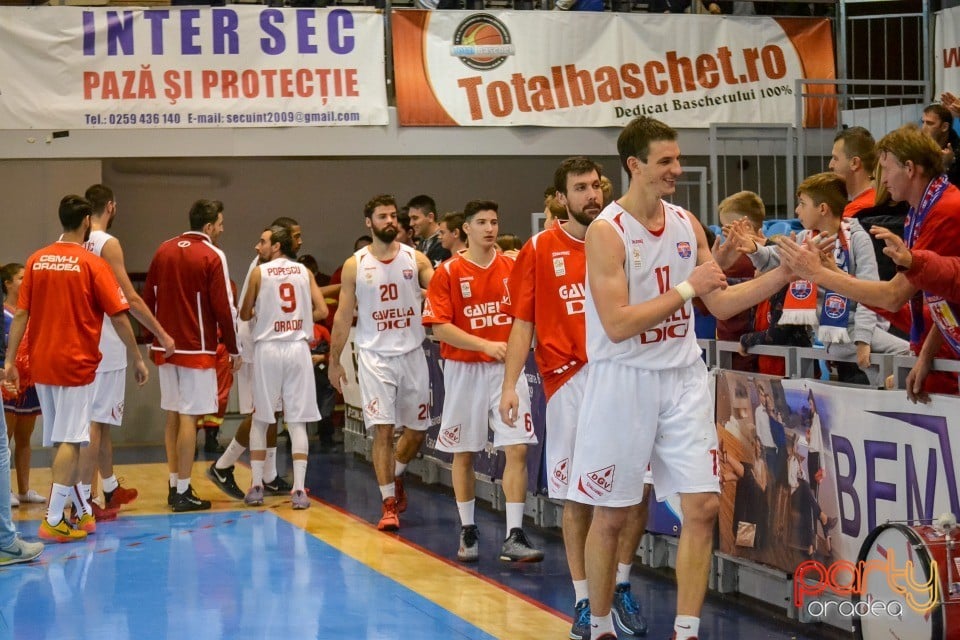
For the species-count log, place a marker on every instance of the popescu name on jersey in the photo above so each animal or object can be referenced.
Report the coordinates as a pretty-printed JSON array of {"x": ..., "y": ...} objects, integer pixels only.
[
  {"x": 574, "y": 295},
  {"x": 393, "y": 318},
  {"x": 486, "y": 314},
  {"x": 283, "y": 271}
]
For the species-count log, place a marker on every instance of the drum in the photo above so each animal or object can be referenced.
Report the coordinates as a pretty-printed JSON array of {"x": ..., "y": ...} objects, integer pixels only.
[{"x": 923, "y": 545}]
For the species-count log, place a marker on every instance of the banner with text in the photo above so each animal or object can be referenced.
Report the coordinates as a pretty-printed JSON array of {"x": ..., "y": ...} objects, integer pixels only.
[
  {"x": 233, "y": 66},
  {"x": 502, "y": 68},
  {"x": 810, "y": 469},
  {"x": 946, "y": 51}
]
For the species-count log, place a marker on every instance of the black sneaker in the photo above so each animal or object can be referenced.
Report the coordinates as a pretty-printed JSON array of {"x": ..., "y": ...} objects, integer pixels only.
[
  {"x": 171, "y": 496},
  {"x": 469, "y": 550},
  {"x": 224, "y": 479},
  {"x": 516, "y": 548},
  {"x": 188, "y": 501},
  {"x": 277, "y": 487}
]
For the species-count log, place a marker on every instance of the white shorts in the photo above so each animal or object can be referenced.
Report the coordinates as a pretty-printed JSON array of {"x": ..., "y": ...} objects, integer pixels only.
[
  {"x": 634, "y": 417},
  {"x": 66, "y": 413},
  {"x": 283, "y": 381},
  {"x": 109, "y": 388},
  {"x": 471, "y": 405},
  {"x": 190, "y": 392},
  {"x": 244, "y": 381},
  {"x": 563, "y": 412},
  {"x": 394, "y": 389}
]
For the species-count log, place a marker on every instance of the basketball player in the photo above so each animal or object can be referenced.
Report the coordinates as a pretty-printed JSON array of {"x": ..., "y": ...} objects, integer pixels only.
[
  {"x": 382, "y": 282},
  {"x": 108, "y": 394},
  {"x": 546, "y": 296},
  {"x": 646, "y": 398},
  {"x": 463, "y": 305},
  {"x": 221, "y": 471},
  {"x": 64, "y": 280},
  {"x": 283, "y": 371},
  {"x": 188, "y": 288}
]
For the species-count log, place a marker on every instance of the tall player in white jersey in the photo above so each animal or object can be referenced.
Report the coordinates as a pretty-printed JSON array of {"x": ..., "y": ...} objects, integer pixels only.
[
  {"x": 285, "y": 299},
  {"x": 646, "y": 398},
  {"x": 108, "y": 400},
  {"x": 384, "y": 283}
]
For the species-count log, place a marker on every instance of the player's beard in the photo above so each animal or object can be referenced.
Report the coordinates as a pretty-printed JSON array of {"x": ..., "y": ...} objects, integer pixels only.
[
  {"x": 386, "y": 235},
  {"x": 583, "y": 217}
]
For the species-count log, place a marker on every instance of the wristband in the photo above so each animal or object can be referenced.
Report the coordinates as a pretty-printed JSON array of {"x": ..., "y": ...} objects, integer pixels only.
[{"x": 686, "y": 291}]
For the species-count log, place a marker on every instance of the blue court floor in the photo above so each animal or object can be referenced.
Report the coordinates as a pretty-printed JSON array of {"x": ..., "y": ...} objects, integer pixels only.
[{"x": 274, "y": 573}]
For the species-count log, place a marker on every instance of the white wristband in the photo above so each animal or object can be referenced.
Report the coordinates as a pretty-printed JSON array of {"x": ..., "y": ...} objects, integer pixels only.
[{"x": 686, "y": 291}]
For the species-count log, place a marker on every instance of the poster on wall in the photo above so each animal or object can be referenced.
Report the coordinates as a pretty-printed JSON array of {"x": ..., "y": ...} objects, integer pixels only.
[
  {"x": 809, "y": 469},
  {"x": 517, "y": 68},
  {"x": 946, "y": 52},
  {"x": 166, "y": 67}
]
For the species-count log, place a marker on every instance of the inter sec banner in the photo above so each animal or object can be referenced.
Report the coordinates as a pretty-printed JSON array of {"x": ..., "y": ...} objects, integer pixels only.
[
  {"x": 946, "y": 51},
  {"x": 459, "y": 68},
  {"x": 234, "y": 66}
]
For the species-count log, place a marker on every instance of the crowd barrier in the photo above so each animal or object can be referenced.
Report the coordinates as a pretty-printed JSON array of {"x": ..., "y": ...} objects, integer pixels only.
[{"x": 877, "y": 458}]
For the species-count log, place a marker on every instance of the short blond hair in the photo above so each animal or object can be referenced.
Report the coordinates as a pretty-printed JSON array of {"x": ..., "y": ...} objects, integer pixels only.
[
  {"x": 909, "y": 143},
  {"x": 746, "y": 203}
]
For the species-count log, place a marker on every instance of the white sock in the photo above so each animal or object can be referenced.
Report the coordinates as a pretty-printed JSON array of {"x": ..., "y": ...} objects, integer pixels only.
[
  {"x": 623, "y": 573},
  {"x": 59, "y": 494},
  {"x": 686, "y": 627},
  {"x": 183, "y": 485},
  {"x": 600, "y": 625},
  {"x": 399, "y": 468},
  {"x": 580, "y": 591},
  {"x": 466, "y": 510},
  {"x": 173, "y": 479},
  {"x": 514, "y": 516},
  {"x": 109, "y": 484},
  {"x": 299, "y": 474},
  {"x": 388, "y": 491},
  {"x": 270, "y": 465},
  {"x": 256, "y": 467},
  {"x": 85, "y": 491},
  {"x": 231, "y": 455},
  {"x": 81, "y": 503}
]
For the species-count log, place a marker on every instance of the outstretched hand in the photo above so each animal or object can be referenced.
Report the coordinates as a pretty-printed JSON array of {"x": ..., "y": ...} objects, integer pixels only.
[{"x": 895, "y": 249}]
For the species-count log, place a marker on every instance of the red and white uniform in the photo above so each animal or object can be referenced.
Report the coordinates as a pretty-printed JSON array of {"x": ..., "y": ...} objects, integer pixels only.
[
  {"x": 188, "y": 289},
  {"x": 469, "y": 296},
  {"x": 110, "y": 385},
  {"x": 546, "y": 288},
  {"x": 283, "y": 370},
  {"x": 244, "y": 376},
  {"x": 67, "y": 290},
  {"x": 646, "y": 399},
  {"x": 391, "y": 364}
]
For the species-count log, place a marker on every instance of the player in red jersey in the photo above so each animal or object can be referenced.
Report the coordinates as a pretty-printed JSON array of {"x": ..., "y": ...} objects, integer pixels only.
[{"x": 463, "y": 305}]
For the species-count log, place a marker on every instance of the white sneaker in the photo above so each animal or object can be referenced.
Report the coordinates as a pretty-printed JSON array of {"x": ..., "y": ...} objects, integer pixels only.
[
  {"x": 13, "y": 500},
  {"x": 32, "y": 497},
  {"x": 20, "y": 551}
]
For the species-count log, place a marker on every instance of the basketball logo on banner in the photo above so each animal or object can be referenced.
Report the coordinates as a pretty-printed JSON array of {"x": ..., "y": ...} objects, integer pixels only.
[{"x": 482, "y": 42}]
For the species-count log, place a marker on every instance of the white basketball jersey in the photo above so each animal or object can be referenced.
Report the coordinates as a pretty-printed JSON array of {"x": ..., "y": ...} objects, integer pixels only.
[
  {"x": 111, "y": 346},
  {"x": 654, "y": 264},
  {"x": 284, "y": 308},
  {"x": 389, "y": 303},
  {"x": 245, "y": 327}
]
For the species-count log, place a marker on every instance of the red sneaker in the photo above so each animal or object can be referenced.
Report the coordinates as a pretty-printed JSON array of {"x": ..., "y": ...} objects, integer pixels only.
[
  {"x": 104, "y": 514},
  {"x": 390, "y": 520},
  {"x": 401, "y": 494},
  {"x": 120, "y": 496}
]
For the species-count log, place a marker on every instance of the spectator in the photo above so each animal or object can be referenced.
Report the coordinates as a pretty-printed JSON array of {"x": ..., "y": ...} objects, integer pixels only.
[
  {"x": 423, "y": 216},
  {"x": 509, "y": 244},
  {"x": 21, "y": 406},
  {"x": 912, "y": 171},
  {"x": 552, "y": 209},
  {"x": 854, "y": 158},
  {"x": 452, "y": 236},
  {"x": 937, "y": 122},
  {"x": 845, "y": 328},
  {"x": 13, "y": 549},
  {"x": 406, "y": 234},
  {"x": 887, "y": 214}
]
